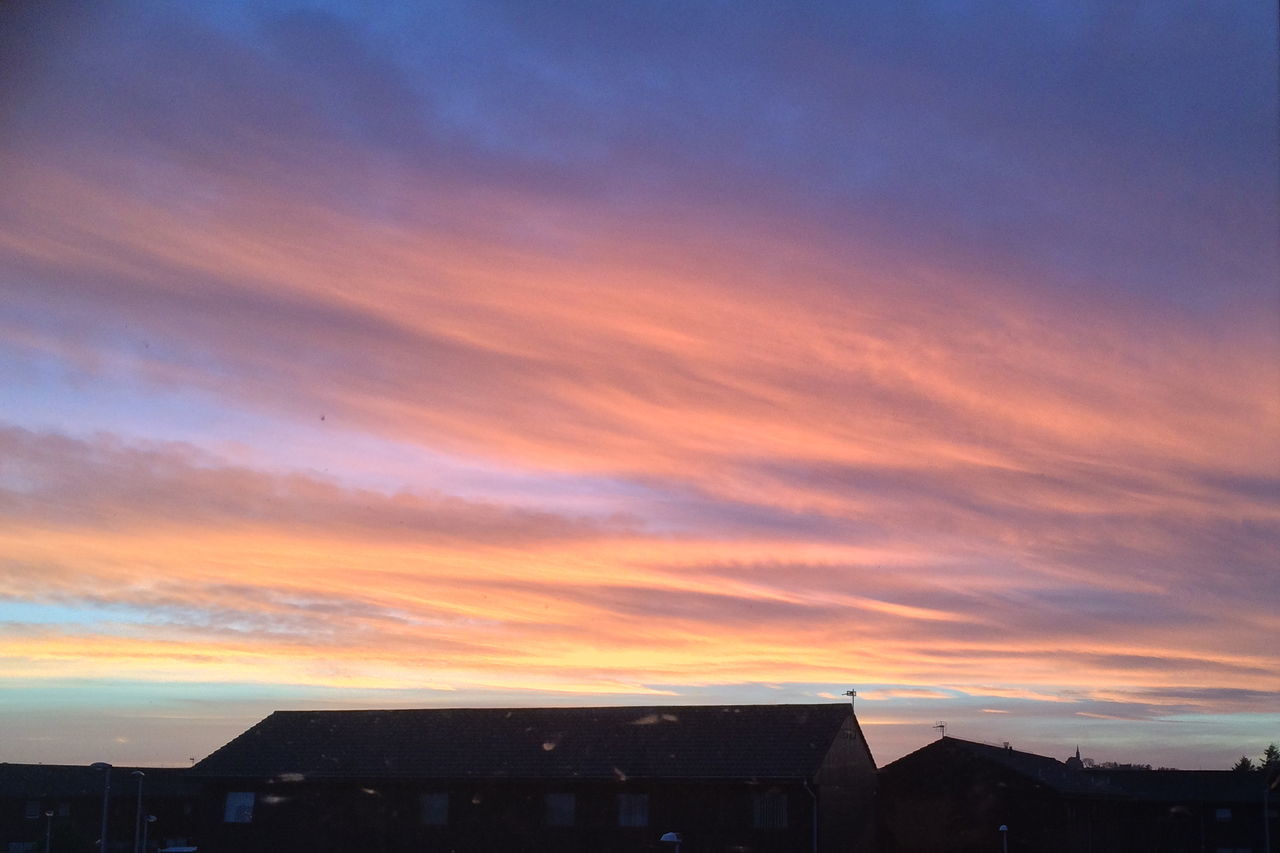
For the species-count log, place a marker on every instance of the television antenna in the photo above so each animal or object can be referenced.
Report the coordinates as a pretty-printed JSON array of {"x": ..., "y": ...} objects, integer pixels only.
[{"x": 941, "y": 726}]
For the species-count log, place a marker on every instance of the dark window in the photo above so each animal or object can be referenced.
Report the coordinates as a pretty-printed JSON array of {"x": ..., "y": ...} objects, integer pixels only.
[
  {"x": 64, "y": 809},
  {"x": 239, "y": 807},
  {"x": 1223, "y": 815},
  {"x": 769, "y": 811},
  {"x": 32, "y": 810},
  {"x": 435, "y": 809},
  {"x": 633, "y": 810},
  {"x": 559, "y": 809}
]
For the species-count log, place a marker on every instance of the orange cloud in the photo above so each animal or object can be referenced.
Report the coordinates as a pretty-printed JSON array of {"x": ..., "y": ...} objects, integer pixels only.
[
  {"x": 904, "y": 693},
  {"x": 836, "y": 467}
]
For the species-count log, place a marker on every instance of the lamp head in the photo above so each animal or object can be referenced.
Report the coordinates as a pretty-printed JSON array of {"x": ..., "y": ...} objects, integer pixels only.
[{"x": 100, "y": 765}]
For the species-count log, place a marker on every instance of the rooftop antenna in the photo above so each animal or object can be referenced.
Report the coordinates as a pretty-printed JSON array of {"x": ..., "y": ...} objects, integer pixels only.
[
  {"x": 852, "y": 694},
  {"x": 941, "y": 726}
]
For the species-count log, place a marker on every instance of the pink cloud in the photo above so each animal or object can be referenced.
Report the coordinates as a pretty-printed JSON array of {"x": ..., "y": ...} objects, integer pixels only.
[{"x": 932, "y": 458}]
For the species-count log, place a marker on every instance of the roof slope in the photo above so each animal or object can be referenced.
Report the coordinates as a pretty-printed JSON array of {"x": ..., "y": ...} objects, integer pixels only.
[
  {"x": 669, "y": 742},
  {"x": 1040, "y": 769}
]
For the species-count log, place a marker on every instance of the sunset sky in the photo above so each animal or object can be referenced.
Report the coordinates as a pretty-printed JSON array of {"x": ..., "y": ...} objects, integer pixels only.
[{"x": 485, "y": 353}]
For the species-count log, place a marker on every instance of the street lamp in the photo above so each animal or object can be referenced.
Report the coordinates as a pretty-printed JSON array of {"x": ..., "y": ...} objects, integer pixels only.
[
  {"x": 1004, "y": 838},
  {"x": 137, "y": 819},
  {"x": 48, "y": 828},
  {"x": 106, "y": 794},
  {"x": 672, "y": 838},
  {"x": 146, "y": 825}
]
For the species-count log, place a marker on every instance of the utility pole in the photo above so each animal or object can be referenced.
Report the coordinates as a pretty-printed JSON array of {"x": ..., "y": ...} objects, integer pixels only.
[
  {"x": 137, "y": 818},
  {"x": 106, "y": 800}
]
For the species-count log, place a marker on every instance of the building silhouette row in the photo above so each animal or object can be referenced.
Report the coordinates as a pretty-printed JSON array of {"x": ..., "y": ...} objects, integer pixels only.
[{"x": 761, "y": 778}]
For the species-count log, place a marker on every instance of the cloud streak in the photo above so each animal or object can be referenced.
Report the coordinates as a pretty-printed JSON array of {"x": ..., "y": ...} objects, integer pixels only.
[{"x": 848, "y": 346}]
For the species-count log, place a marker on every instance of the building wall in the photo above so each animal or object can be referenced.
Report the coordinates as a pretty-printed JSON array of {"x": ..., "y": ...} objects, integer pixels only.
[
  {"x": 945, "y": 800},
  {"x": 846, "y": 791},
  {"x": 77, "y": 821},
  {"x": 383, "y": 817}
]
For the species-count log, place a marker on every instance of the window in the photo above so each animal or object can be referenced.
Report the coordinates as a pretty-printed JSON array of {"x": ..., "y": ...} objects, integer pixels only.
[
  {"x": 633, "y": 810},
  {"x": 22, "y": 847},
  {"x": 559, "y": 809},
  {"x": 31, "y": 810},
  {"x": 435, "y": 809},
  {"x": 769, "y": 811},
  {"x": 1222, "y": 815},
  {"x": 239, "y": 807}
]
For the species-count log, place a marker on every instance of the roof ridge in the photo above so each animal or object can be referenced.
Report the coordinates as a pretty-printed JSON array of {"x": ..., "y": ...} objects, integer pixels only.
[{"x": 843, "y": 705}]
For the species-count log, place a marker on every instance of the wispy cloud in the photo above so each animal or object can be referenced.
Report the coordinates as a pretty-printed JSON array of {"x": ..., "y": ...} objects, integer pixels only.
[{"x": 837, "y": 349}]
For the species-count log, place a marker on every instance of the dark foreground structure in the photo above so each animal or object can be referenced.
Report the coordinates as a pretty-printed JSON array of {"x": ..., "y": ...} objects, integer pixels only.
[
  {"x": 746, "y": 779},
  {"x": 61, "y": 806},
  {"x": 953, "y": 796},
  {"x": 782, "y": 778}
]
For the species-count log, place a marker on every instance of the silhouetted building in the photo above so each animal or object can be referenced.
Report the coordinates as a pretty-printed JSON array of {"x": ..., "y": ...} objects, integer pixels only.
[
  {"x": 1181, "y": 811},
  {"x": 953, "y": 796},
  {"x": 789, "y": 778},
  {"x": 63, "y": 804}
]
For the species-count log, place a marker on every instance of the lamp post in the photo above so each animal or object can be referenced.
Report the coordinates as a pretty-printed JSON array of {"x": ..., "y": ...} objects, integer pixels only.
[
  {"x": 1004, "y": 838},
  {"x": 137, "y": 818},
  {"x": 146, "y": 826},
  {"x": 48, "y": 828},
  {"x": 106, "y": 794}
]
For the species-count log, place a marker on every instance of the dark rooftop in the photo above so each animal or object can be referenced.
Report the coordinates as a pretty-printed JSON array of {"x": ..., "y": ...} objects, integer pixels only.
[
  {"x": 672, "y": 742},
  {"x": 1041, "y": 769},
  {"x": 1164, "y": 786}
]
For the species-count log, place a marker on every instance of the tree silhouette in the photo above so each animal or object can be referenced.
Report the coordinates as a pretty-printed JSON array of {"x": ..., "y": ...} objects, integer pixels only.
[{"x": 1270, "y": 761}]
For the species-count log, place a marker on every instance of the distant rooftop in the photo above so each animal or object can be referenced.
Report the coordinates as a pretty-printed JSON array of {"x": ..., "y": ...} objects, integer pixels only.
[
  {"x": 1041, "y": 768},
  {"x": 1152, "y": 785},
  {"x": 700, "y": 741}
]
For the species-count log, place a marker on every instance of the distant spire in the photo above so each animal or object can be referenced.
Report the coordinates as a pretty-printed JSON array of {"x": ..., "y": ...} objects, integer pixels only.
[{"x": 1077, "y": 752}]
